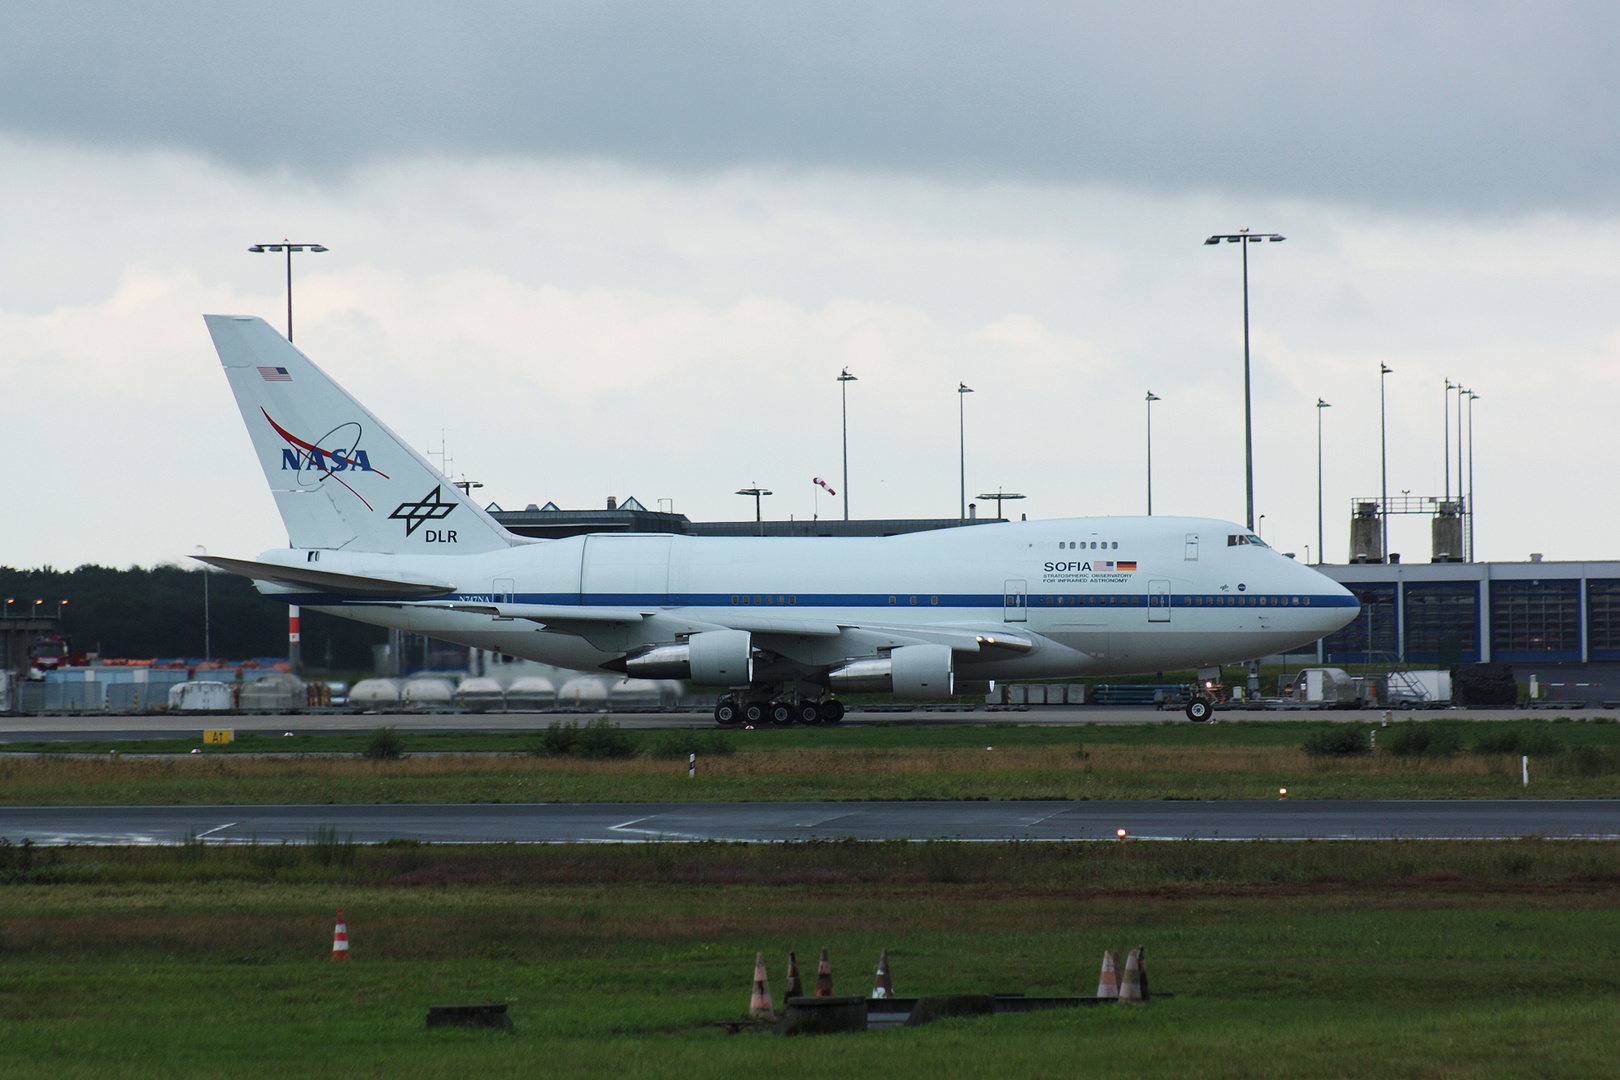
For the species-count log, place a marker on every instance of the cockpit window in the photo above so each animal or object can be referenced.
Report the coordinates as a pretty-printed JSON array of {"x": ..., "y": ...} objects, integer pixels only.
[
  {"x": 1255, "y": 540},
  {"x": 1237, "y": 539}
]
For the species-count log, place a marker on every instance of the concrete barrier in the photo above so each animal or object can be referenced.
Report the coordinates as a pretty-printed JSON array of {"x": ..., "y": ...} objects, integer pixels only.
[{"x": 822, "y": 1015}]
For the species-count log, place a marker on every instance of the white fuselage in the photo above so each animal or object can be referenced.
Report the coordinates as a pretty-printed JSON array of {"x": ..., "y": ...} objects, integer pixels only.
[{"x": 1096, "y": 596}]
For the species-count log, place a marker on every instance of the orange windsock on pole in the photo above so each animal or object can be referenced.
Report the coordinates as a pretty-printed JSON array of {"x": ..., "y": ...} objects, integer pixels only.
[
  {"x": 1108, "y": 981},
  {"x": 824, "y": 976},
  {"x": 883, "y": 987},
  {"x": 795, "y": 985},
  {"x": 340, "y": 938},
  {"x": 761, "y": 1006}
]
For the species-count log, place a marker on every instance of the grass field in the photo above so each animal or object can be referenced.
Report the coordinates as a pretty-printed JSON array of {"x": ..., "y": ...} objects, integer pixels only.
[
  {"x": 1243, "y": 760},
  {"x": 1447, "y": 959}
]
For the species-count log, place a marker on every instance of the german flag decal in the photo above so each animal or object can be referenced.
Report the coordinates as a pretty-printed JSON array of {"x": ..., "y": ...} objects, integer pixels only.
[{"x": 1127, "y": 565}]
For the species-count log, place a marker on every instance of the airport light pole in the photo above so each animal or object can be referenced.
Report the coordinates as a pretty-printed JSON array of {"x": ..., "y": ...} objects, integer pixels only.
[
  {"x": 962, "y": 391},
  {"x": 1445, "y": 439},
  {"x": 999, "y": 495},
  {"x": 844, "y": 379},
  {"x": 1383, "y": 469},
  {"x": 1245, "y": 238},
  {"x": 757, "y": 493},
  {"x": 1151, "y": 398},
  {"x": 208, "y": 637},
  {"x": 1472, "y": 397},
  {"x": 1460, "y": 393},
  {"x": 289, "y": 249},
  {"x": 1320, "y": 405}
]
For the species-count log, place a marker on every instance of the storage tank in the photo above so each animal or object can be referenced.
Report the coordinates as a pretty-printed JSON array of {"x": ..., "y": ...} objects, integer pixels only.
[
  {"x": 374, "y": 693},
  {"x": 204, "y": 696},
  {"x": 276, "y": 692},
  {"x": 585, "y": 694},
  {"x": 531, "y": 692},
  {"x": 428, "y": 693},
  {"x": 635, "y": 694},
  {"x": 480, "y": 695}
]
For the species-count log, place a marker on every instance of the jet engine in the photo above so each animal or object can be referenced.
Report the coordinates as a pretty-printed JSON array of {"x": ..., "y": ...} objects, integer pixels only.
[
  {"x": 910, "y": 671},
  {"x": 710, "y": 658}
]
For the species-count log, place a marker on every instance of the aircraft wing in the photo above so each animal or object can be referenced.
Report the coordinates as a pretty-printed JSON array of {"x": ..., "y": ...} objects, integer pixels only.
[
  {"x": 354, "y": 585},
  {"x": 960, "y": 638},
  {"x": 551, "y": 614}
]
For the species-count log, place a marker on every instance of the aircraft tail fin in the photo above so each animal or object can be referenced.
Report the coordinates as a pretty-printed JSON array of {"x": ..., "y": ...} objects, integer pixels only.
[{"x": 341, "y": 479}]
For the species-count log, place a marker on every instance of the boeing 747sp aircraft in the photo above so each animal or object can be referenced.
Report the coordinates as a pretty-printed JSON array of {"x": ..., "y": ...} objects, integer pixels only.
[{"x": 375, "y": 533}]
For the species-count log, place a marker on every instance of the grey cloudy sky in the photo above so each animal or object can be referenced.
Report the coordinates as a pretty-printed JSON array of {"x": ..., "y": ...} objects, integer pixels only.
[
  {"x": 1475, "y": 107},
  {"x": 624, "y": 249}
]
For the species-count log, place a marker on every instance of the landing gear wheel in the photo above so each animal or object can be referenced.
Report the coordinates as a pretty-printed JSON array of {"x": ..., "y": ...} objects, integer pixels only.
[
  {"x": 831, "y": 711},
  {"x": 1200, "y": 709},
  {"x": 726, "y": 714},
  {"x": 781, "y": 714},
  {"x": 807, "y": 712},
  {"x": 754, "y": 712}
]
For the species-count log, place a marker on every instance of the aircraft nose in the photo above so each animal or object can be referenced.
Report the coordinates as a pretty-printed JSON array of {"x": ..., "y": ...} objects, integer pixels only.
[{"x": 1342, "y": 605}]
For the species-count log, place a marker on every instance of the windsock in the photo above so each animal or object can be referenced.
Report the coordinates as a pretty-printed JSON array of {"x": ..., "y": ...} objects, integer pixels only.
[
  {"x": 824, "y": 976},
  {"x": 761, "y": 1006},
  {"x": 1108, "y": 981},
  {"x": 883, "y": 987},
  {"x": 825, "y": 486}
]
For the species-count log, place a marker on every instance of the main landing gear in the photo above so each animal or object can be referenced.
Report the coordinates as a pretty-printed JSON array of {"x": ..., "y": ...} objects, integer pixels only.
[{"x": 735, "y": 711}]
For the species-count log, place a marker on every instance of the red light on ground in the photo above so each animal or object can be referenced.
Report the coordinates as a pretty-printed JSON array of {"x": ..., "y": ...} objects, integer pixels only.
[{"x": 1122, "y": 834}]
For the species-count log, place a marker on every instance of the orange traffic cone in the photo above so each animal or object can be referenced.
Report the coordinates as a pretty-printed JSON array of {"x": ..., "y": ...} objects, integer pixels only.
[
  {"x": 883, "y": 988},
  {"x": 761, "y": 1006},
  {"x": 1131, "y": 987},
  {"x": 340, "y": 938},
  {"x": 1108, "y": 981},
  {"x": 795, "y": 985},
  {"x": 824, "y": 976}
]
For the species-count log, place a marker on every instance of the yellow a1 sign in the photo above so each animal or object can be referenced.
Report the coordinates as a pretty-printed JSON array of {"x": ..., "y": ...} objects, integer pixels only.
[{"x": 219, "y": 737}]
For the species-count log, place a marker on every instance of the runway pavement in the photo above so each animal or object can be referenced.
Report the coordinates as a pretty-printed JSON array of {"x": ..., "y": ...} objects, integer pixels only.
[
  {"x": 19, "y": 728},
  {"x": 804, "y": 821}
]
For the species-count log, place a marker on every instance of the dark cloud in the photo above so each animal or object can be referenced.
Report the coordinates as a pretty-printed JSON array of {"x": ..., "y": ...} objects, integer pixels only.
[{"x": 1475, "y": 108}]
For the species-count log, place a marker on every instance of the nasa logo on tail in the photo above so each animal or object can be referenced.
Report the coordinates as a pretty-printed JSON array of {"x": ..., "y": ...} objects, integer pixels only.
[{"x": 316, "y": 461}]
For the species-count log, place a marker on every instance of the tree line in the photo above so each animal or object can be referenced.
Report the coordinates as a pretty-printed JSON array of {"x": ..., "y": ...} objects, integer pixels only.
[{"x": 158, "y": 612}]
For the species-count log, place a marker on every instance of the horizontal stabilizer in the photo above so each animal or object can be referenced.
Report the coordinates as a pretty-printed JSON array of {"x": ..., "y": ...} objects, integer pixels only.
[{"x": 327, "y": 582}]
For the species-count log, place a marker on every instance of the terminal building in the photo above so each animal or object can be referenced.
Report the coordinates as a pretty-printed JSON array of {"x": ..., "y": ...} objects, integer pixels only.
[{"x": 1439, "y": 614}]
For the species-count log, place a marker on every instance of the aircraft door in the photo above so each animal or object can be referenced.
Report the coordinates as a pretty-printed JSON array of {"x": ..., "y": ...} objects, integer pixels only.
[
  {"x": 1192, "y": 547},
  {"x": 505, "y": 591},
  {"x": 1016, "y": 599},
  {"x": 1158, "y": 601}
]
